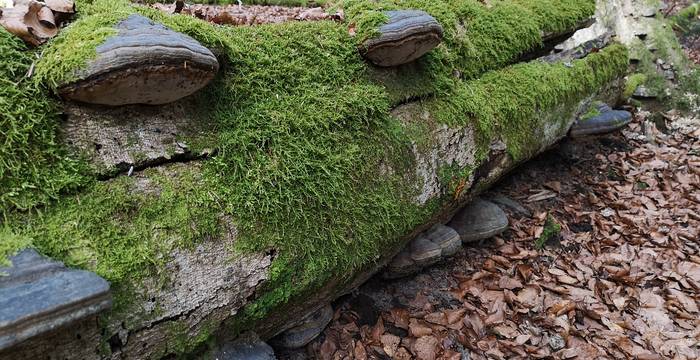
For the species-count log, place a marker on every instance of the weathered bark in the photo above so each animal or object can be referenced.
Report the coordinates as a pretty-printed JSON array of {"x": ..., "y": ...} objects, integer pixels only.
[{"x": 120, "y": 139}]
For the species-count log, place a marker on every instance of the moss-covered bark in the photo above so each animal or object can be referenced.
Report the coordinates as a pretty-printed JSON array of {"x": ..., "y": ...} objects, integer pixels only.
[{"x": 310, "y": 161}]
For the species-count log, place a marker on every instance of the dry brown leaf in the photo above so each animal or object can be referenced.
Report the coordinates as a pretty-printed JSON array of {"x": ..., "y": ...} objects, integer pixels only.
[
  {"x": 529, "y": 296},
  {"x": 377, "y": 330},
  {"x": 438, "y": 318},
  {"x": 328, "y": 348},
  {"x": 417, "y": 329},
  {"x": 360, "y": 351},
  {"x": 63, "y": 6},
  {"x": 425, "y": 348},
  {"x": 401, "y": 318},
  {"x": 31, "y": 21},
  {"x": 390, "y": 344},
  {"x": 509, "y": 283}
]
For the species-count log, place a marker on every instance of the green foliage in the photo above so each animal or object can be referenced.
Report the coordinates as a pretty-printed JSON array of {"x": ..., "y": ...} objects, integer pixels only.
[
  {"x": 688, "y": 96},
  {"x": 683, "y": 94},
  {"x": 117, "y": 232},
  {"x": 33, "y": 167},
  {"x": 477, "y": 38},
  {"x": 552, "y": 229},
  {"x": 686, "y": 20},
  {"x": 506, "y": 101},
  {"x": 632, "y": 83}
]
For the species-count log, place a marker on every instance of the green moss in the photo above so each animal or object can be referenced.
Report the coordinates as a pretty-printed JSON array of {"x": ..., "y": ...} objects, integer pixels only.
[
  {"x": 33, "y": 167},
  {"x": 477, "y": 38},
  {"x": 686, "y": 20},
  {"x": 10, "y": 243},
  {"x": 182, "y": 342},
  {"x": 666, "y": 47},
  {"x": 552, "y": 229},
  {"x": 303, "y": 129},
  {"x": 455, "y": 179},
  {"x": 592, "y": 112},
  {"x": 71, "y": 49},
  {"x": 114, "y": 230},
  {"x": 632, "y": 83},
  {"x": 506, "y": 102}
]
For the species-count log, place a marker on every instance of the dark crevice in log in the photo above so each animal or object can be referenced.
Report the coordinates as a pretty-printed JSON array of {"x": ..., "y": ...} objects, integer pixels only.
[
  {"x": 125, "y": 169},
  {"x": 411, "y": 99},
  {"x": 580, "y": 51},
  {"x": 551, "y": 40}
]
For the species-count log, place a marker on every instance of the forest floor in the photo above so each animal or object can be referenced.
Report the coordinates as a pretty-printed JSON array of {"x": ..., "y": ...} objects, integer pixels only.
[{"x": 622, "y": 279}]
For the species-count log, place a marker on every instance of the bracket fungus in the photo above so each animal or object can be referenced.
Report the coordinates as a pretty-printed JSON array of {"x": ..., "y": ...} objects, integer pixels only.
[
  {"x": 38, "y": 295},
  {"x": 407, "y": 36},
  {"x": 479, "y": 220},
  {"x": 602, "y": 120},
  {"x": 145, "y": 63}
]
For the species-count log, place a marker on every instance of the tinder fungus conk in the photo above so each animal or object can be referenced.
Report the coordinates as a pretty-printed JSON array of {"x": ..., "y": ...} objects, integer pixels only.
[
  {"x": 408, "y": 35},
  {"x": 145, "y": 63}
]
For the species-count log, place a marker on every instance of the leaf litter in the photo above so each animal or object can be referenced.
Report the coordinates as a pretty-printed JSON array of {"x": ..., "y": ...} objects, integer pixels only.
[{"x": 622, "y": 282}]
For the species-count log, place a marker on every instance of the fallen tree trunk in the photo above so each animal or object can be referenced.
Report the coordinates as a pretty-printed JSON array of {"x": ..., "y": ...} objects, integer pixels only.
[
  {"x": 210, "y": 283},
  {"x": 187, "y": 263}
]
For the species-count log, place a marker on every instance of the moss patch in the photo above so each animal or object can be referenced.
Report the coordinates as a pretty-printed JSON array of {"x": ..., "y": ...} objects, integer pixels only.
[
  {"x": 632, "y": 83},
  {"x": 686, "y": 20},
  {"x": 593, "y": 111},
  {"x": 33, "y": 167},
  {"x": 505, "y": 102},
  {"x": 477, "y": 38},
  {"x": 551, "y": 231}
]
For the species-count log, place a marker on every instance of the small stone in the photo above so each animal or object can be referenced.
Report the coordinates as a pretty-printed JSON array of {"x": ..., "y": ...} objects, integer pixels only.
[
  {"x": 38, "y": 295},
  {"x": 407, "y": 36},
  {"x": 479, "y": 220},
  {"x": 401, "y": 265},
  {"x": 670, "y": 75},
  {"x": 608, "y": 121},
  {"x": 648, "y": 10},
  {"x": 424, "y": 252},
  {"x": 643, "y": 92},
  {"x": 145, "y": 63},
  {"x": 556, "y": 342},
  {"x": 247, "y": 346},
  {"x": 446, "y": 238},
  {"x": 312, "y": 326}
]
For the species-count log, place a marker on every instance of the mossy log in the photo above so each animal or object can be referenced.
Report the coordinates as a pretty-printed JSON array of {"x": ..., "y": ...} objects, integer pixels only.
[{"x": 292, "y": 178}]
